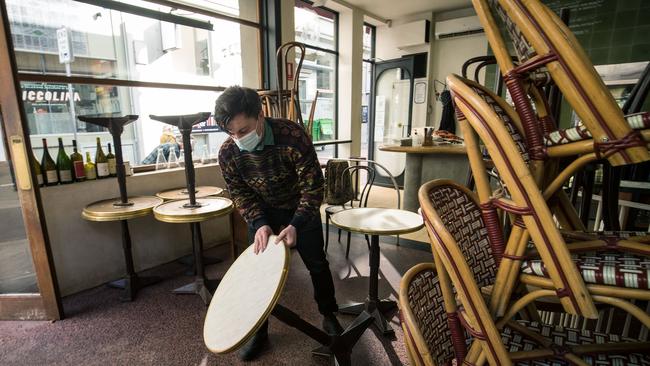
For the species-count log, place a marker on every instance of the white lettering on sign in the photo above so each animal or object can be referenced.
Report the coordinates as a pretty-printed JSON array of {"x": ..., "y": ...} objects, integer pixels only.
[{"x": 49, "y": 96}]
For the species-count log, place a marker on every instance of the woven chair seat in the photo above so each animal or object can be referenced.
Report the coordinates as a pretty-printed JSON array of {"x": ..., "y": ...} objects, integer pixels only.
[
  {"x": 515, "y": 341},
  {"x": 638, "y": 121},
  {"x": 613, "y": 269}
]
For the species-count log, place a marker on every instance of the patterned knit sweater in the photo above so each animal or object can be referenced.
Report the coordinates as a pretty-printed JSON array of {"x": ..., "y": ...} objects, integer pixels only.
[{"x": 284, "y": 174}]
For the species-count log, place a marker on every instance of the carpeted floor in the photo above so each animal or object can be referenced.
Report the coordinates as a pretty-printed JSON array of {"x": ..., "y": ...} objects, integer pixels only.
[{"x": 160, "y": 328}]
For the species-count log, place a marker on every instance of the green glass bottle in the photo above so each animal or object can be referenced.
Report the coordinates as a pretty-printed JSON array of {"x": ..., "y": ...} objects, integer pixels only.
[
  {"x": 89, "y": 168},
  {"x": 112, "y": 165},
  {"x": 77, "y": 163},
  {"x": 101, "y": 162},
  {"x": 63, "y": 165},
  {"x": 48, "y": 167},
  {"x": 37, "y": 169}
]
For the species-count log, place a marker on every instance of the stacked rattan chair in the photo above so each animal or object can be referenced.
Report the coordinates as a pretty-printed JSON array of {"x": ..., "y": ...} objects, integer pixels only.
[
  {"x": 458, "y": 234},
  {"x": 548, "y": 52}
]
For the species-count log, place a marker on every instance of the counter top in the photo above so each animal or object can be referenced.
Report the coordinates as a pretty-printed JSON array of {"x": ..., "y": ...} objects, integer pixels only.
[{"x": 436, "y": 149}]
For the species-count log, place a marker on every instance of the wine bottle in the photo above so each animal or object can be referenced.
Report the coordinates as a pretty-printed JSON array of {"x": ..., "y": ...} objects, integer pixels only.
[
  {"x": 89, "y": 168},
  {"x": 48, "y": 166},
  {"x": 112, "y": 165},
  {"x": 77, "y": 163},
  {"x": 37, "y": 169},
  {"x": 63, "y": 165},
  {"x": 101, "y": 163}
]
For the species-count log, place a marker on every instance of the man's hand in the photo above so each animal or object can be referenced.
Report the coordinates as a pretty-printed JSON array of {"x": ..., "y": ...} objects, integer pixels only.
[
  {"x": 262, "y": 238},
  {"x": 288, "y": 235}
]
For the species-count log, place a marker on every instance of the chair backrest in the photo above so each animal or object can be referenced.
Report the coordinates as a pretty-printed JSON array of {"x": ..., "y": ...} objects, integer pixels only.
[
  {"x": 544, "y": 41},
  {"x": 354, "y": 173},
  {"x": 477, "y": 115},
  {"x": 459, "y": 237},
  {"x": 338, "y": 182},
  {"x": 426, "y": 333}
]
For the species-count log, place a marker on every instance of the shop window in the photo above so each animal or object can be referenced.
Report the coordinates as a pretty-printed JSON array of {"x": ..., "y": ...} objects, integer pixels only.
[
  {"x": 316, "y": 27},
  {"x": 127, "y": 49}
]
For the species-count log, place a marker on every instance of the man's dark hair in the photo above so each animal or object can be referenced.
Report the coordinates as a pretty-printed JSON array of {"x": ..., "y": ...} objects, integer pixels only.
[{"x": 233, "y": 101}]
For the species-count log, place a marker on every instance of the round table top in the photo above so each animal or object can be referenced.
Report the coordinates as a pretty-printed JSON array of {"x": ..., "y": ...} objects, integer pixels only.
[
  {"x": 182, "y": 193},
  {"x": 245, "y": 297},
  {"x": 378, "y": 221},
  {"x": 105, "y": 210},
  {"x": 175, "y": 212}
]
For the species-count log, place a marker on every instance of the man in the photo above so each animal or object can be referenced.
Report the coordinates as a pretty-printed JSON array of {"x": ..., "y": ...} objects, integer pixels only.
[{"x": 275, "y": 180}]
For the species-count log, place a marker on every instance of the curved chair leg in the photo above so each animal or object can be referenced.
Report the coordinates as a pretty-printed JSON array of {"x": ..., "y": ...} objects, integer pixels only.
[
  {"x": 367, "y": 240},
  {"x": 327, "y": 231},
  {"x": 347, "y": 250},
  {"x": 339, "y": 235}
]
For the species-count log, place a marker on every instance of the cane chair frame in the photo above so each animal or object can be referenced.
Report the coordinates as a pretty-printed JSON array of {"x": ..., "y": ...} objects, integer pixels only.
[
  {"x": 476, "y": 316},
  {"x": 554, "y": 48},
  {"x": 559, "y": 202},
  {"x": 417, "y": 346},
  {"x": 477, "y": 117}
]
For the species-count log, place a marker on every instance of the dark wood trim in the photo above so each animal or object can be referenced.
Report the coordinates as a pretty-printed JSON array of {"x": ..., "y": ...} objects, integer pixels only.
[
  {"x": 13, "y": 115},
  {"x": 23, "y": 307},
  {"x": 207, "y": 12},
  {"x": 23, "y": 76}
]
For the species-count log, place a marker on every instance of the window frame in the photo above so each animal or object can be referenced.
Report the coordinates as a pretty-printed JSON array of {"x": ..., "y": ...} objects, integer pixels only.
[{"x": 335, "y": 53}]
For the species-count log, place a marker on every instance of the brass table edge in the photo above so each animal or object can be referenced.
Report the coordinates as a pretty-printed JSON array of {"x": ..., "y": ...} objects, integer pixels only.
[{"x": 267, "y": 313}]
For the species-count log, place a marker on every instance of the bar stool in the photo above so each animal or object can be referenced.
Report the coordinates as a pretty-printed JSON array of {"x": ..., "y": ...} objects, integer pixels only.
[
  {"x": 192, "y": 210},
  {"x": 123, "y": 208}
]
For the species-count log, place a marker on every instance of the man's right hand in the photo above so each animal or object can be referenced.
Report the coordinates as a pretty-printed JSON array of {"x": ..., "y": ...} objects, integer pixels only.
[{"x": 262, "y": 238}]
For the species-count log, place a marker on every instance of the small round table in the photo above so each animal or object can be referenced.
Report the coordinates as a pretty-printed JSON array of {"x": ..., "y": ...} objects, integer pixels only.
[
  {"x": 248, "y": 294},
  {"x": 115, "y": 210},
  {"x": 375, "y": 222},
  {"x": 184, "y": 212}
]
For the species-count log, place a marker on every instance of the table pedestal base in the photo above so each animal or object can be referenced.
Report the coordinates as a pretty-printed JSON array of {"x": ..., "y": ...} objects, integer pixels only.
[
  {"x": 132, "y": 284},
  {"x": 337, "y": 348},
  {"x": 202, "y": 287},
  {"x": 373, "y": 309}
]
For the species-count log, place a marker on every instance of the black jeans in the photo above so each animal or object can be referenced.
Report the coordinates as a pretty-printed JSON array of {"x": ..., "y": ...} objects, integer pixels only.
[{"x": 310, "y": 247}]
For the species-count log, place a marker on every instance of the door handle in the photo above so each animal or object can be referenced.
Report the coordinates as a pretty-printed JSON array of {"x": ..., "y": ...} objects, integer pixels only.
[{"x": 21, "y": 166}]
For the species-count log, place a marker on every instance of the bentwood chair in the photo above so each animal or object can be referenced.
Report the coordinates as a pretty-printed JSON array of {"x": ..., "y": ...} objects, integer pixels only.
[
  {"x": 424, "y": 319},
  {"x": 453, "y": 219},
  {"x": 350, "y": 174},
  {"x": 547, "y": 51},
  {"x": 613, "y": 274}
]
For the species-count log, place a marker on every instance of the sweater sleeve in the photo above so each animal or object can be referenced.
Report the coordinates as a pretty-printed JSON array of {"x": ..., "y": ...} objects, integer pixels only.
[
  {"x": 245, "y": 199},
  {"x": 310, "y": 182}
]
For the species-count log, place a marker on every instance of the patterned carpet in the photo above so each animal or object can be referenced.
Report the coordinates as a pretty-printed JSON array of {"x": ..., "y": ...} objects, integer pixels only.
[{"x": 160, "y": 328}]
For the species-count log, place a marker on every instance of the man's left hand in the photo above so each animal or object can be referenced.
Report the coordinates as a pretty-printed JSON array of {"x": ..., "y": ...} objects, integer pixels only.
[{"x": 288, "y": 235}]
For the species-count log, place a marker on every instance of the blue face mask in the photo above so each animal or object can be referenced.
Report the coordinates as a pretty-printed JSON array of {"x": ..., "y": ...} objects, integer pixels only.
[{"x": 249, "y": 141}]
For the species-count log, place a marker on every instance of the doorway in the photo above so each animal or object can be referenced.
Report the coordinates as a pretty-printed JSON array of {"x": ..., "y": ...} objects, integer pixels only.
[
  {"x": 28, "y": 289},
  {"x": 390, "y": 115}
]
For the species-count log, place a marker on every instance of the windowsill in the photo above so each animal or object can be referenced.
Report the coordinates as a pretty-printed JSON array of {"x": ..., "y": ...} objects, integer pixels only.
[{"x": 331, "y": 142}]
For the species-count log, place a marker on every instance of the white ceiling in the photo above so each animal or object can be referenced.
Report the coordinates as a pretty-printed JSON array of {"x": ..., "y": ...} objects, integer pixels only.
[{"x": 393, "y": 9}]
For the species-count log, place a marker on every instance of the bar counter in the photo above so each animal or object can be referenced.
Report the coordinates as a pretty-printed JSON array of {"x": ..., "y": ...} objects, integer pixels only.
[
  {"x": 87, "y": 254},
  {"x": 425, "y": 163}
]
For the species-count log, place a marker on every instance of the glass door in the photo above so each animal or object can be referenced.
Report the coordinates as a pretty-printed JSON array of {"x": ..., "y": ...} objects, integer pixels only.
[
  {"x": 28, "y": 288},
  {"x": 391, "y": 112}
]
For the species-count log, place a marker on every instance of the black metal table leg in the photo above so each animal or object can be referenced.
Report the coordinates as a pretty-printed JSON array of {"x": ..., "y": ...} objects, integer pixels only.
[
  {"x": 337, "y": 347},
  {"x": 201, "y": 285},
  {"x": 131, "y": 282},
  {"x": 188, "y": 260},
  {"x": 373, "y": 306}
]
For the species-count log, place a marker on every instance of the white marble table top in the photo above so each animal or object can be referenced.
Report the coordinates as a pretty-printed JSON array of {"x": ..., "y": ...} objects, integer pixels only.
[{"x": 378, "y": 221}]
